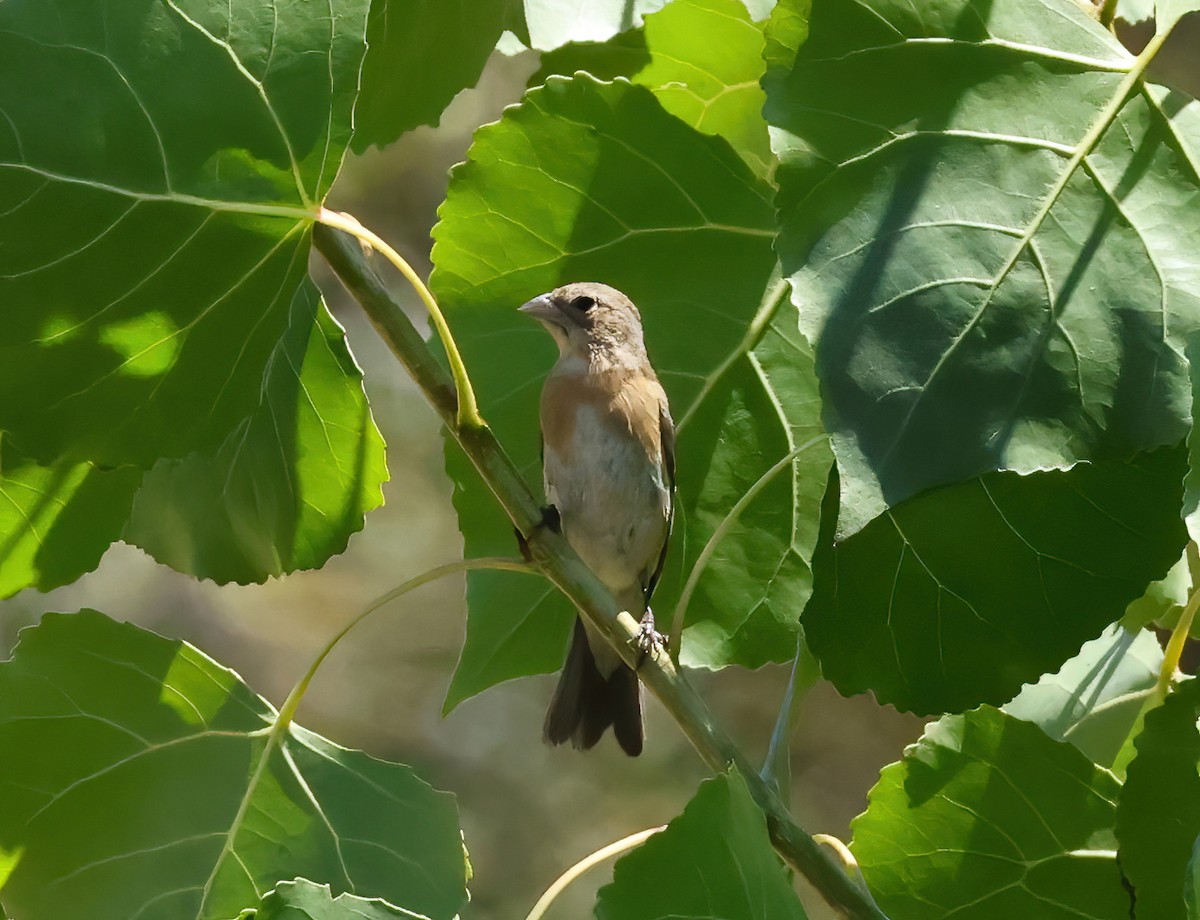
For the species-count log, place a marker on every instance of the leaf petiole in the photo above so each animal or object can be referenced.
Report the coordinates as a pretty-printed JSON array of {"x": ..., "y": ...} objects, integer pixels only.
[
  {"x": 467, "y": 415},
  {"x": 589, "y": 861}
]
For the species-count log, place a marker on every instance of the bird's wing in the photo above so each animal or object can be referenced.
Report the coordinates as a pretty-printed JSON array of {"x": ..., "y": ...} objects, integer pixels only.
[{"x": 666, "y": 440}]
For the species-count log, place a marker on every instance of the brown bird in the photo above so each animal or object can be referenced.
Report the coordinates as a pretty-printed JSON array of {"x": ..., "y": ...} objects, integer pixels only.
[{"x": 608, "y": 463}]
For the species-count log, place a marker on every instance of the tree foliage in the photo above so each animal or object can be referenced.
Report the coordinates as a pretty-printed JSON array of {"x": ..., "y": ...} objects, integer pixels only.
[{"x": 922, "y": 283}]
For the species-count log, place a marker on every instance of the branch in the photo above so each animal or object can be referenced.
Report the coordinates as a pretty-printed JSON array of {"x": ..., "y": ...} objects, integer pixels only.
[{"x": 559, "y": 563}]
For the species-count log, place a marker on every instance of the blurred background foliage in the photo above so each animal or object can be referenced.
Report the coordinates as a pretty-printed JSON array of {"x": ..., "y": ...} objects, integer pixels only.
[{"x": 528, "y": 811}]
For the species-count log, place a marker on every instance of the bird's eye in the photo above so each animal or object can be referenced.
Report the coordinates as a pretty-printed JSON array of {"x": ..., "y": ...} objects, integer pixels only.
[{"x": 583, "y": 303}]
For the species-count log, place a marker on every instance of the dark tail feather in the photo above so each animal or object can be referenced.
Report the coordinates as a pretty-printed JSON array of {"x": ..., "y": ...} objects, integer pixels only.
[{"x": 585, "y": 703}]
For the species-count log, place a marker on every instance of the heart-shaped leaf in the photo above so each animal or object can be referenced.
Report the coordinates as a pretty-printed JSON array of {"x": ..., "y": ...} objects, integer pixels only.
[
  {"x": 987, "y": 285},
  {"x": 714, "y": 861},
  {"x": 153, "y": 265},
  {"x": 141, "y": 779},
  {"x": 986, "y": 818}
]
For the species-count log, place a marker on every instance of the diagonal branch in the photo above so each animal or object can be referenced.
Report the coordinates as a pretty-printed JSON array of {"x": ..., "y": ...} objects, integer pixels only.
[{"x": 558, "y": 562}]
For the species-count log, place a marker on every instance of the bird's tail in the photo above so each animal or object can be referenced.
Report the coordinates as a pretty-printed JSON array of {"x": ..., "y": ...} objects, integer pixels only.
[{"x": 586, "y": 702}]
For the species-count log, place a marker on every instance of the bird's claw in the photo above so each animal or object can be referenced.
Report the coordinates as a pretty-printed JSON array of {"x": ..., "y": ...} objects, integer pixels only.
[{"x": 649, "y": 640}]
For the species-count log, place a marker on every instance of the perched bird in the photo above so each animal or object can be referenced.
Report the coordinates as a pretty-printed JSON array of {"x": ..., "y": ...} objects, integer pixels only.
[{"x": 608, "y": 462}]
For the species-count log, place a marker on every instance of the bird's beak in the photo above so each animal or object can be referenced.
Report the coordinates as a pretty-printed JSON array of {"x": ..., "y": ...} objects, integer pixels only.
[{"x": 541, "y": 307}]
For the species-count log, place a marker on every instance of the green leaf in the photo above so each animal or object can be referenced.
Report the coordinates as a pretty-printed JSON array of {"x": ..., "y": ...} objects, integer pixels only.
[
  {"x": 155, "y": 256},
  {"x": 290, "y": 484},
  {"x": 595, "y": 181},
  {"x": 303, "y": 900},
  {"x": 960, "y": 595},
  {"x": 1191, "y": 483},
  {"x": 986, "y": 818},
  {"x": 553, "y": 23},
  {"x": 1159, "y": 816},
  {"x": 1134, "y": 11},
  {"x": 160, "y": 165},
  {"x": 56, "y": 522},
  {"x": 1163, "y": 600},
  {"x": 714, "y": 861},
  {"x": 976, "y": 305},
  {"x": 135, "y": 785},
  {"x": 623, "y": 55},
  {"x": 1191, "y": 883},
  {"x": 1169, "y": 12},
  {"x": 702, "y": 58},
  {"x": 1094, "y": 700},
  {"x": 420, "y": 53},
  {"x": 759, "y": 577}
]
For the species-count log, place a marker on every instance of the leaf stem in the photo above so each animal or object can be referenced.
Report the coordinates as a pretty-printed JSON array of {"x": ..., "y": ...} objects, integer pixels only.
[
  {"x": 467, "y": 414},
  {"x": 777, "y": 765},
  {"x": 773, "y": 298},
  {"x": 585, "y": 864},
  {"x": 1174, "y": 650},
  {"x": 556, "y": 560}
]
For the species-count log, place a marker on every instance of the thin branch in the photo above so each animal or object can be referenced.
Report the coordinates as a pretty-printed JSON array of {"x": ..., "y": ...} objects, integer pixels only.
[{"x": 559, "y": 563}]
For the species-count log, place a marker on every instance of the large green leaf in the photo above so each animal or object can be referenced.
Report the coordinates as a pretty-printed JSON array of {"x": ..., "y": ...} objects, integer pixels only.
[
  {"x": 1169, "y": 12},
  {"x": 1159, "y": 817},
  {"x": 960, "y": 595},
  {"x": 986, "y": 818},
  {"x": 303, "y": 900},
  {"x": 153, "y": 257},
  {"x": 56, "y": 522},
  {"x": 595, "y": 181},
  {"x": 289, "y": 485},
  {"x": 702, "y": 58},
  {"x": 159, "y": 165},
  {"x": 1095, "y": 699},
  {"x": 420, "y": 54},
  {"x": 137, "y": 780},
  {"x": 975, "y": 303},
  {"x": 714, "y": 861}
]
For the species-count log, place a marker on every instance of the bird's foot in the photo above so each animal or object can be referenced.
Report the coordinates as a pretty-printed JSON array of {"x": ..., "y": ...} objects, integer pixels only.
[
  {"x": 649, "y": 640},
  {"x": 550, "y": 520}
]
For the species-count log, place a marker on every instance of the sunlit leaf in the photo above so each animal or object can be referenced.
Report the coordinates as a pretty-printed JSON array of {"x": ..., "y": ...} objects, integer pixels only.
[
  {"x": 975, "y": 303},
  {"x": 289, "y": 485},
  {"x": 160, "y": 165},
  {"x": 56, "y": 522},
  {"x": 702, "y": 58},
  {"x": 714, "y": 861},
  {"x": 1094, "y": 699},
  {"x": 137, "y": 782},
  {"x": 1169, "y": 12},
  {"x": 986, "y": 818}
]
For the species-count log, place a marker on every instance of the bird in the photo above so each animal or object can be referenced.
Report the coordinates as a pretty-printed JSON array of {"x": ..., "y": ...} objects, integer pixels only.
[{"x": 608, "y": 467}]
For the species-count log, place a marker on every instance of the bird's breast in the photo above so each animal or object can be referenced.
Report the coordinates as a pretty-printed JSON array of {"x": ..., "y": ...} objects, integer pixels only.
[{"x": 604, "y": 472}]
